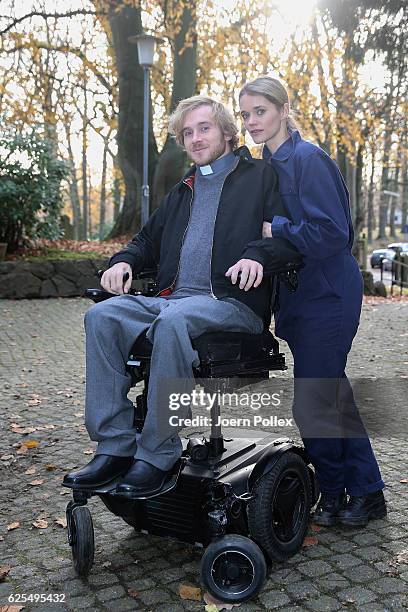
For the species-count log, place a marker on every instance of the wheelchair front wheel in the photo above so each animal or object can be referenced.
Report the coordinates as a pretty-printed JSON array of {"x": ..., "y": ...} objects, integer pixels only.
[
  {"x": 83, "y": 541},
  {"x": 233, "y": 568}
]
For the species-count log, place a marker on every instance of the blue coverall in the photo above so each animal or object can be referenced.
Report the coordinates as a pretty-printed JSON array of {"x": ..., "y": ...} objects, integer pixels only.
[{"x": 320, "y": 320}]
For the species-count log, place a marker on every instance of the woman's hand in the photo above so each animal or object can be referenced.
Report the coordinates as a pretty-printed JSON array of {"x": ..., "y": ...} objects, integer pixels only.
[
  {"x": 267, "y": 229},
  {"x": 251, "y": 273}
]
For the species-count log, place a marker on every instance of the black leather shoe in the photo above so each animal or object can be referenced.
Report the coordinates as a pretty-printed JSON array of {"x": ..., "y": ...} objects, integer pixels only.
[
  {"x": 328, "y": 509},
  {"x": 99, "y": 471},
  {"x": 142, "y": 478},
  {"x": 362, "y": 508}
]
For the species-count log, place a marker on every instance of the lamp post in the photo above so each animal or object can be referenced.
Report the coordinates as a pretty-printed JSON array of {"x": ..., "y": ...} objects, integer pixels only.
[{"x": 146, "y": 46}]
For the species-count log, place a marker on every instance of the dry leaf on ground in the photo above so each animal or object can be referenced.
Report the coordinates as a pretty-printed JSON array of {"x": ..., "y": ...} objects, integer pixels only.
[
  {"x": 36, "y": 483},
  {"x": 30, "y": 443},
  {"x": 213, "y": 604},
  {"x": 4, "y": 570},
  {"x": 315, "y": 527},
  {"x": 189, "y": 592},
  {"x": 133, "y": 593},
  {"x": 13, "y": 526},
  {"x": 40, "y": 524},
  {"x": 62, "y": 522},
  {"x": 310, "y": 541}
]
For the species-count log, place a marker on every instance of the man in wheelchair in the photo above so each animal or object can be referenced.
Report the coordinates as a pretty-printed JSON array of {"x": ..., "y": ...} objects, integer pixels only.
[{"x": 205, "y": 240}]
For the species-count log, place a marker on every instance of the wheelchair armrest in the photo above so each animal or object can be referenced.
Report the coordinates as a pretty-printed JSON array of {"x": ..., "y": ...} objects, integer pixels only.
[
  {"x": 97, "y": 295},
  {"x": 149, "y": 273}
]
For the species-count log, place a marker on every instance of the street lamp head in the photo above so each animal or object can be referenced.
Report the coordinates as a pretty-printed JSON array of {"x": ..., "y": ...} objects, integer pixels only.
[{"x": 146, "y": 46}]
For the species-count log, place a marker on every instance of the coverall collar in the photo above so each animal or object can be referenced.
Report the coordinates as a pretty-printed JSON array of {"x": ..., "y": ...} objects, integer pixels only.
[{"x": 285, "y": 150}]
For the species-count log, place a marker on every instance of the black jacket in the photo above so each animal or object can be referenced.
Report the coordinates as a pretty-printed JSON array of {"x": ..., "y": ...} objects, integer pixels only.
[{"x": 248, "y": 197}]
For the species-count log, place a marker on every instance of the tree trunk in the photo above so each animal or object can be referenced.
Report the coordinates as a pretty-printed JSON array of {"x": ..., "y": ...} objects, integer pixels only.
[
  {"x": 404, "y": 188},
  {"x": 393, "y": 204},
  {"x": 359, "y": 203},
  {"x": 383, "y": 210},
  {"x": 172, "y": 161},
  {"x": 370, "y": 200},
  {"x": 125, "y": 21},
  {"x": 73, "y": 188},
  {"x": 102, "y": 202},
  {"x": 85, "y": 218}
]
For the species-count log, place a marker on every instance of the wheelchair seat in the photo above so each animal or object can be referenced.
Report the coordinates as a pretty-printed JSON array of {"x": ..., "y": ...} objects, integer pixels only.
[
  {"x": 224, "y": 353},
  {"x": 218, "y": 346}
]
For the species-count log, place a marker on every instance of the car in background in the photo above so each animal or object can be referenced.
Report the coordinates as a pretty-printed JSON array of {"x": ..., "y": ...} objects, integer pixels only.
[
  {"x": 387, "y": 255},
  {"x": 398, "y": 246}
]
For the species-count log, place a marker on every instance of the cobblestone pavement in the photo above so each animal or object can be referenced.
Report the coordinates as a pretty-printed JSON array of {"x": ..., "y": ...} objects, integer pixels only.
[{"x": 42, "y": 364}]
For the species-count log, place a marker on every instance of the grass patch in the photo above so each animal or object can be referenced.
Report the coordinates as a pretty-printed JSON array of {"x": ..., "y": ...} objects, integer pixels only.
[{"x": 53, "y": 254}]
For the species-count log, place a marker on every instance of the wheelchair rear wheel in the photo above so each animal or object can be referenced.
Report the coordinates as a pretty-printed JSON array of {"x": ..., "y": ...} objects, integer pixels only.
[
  {"x": 233, "y": 568},
  {"x": 83, "y": 542},
  {"x": 278, "y": 514}
]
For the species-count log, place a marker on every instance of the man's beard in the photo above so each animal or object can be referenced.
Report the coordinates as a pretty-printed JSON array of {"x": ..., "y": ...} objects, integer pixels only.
[{"x": 218, "y": 152}]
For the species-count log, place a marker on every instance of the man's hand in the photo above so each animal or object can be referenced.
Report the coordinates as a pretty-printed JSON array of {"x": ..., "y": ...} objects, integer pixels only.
[
  {"x": 251, "y": 273},
  {"x": 267, "y": 229},
  {"x": 112, "y": 279}
]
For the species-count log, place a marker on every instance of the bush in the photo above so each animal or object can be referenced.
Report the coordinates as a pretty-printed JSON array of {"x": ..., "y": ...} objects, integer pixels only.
[{"x": 30, "y": 188}]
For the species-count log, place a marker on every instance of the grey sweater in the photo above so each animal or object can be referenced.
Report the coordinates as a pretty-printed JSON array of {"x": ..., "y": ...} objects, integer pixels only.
[{"x": 195, "y": 260}]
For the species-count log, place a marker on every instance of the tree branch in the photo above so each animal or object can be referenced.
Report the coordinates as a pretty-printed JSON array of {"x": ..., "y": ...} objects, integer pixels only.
[{"x": 18, "y": 20}]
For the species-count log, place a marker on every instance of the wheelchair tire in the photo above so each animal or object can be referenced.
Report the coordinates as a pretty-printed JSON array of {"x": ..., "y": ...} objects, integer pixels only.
[
  {"x": 233, "y": 568},
  {"x": 278, "y": 514},
  {"x": 83, "y": 544}
]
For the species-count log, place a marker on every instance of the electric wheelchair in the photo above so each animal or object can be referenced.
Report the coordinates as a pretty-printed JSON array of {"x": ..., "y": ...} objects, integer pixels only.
[{"x": 247, "y": 500}]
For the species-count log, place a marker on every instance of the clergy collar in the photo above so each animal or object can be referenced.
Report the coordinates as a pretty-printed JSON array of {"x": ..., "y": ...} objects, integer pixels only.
[
  {"x": 217, "y": 166},
  {"x": 285, "y": 150}
]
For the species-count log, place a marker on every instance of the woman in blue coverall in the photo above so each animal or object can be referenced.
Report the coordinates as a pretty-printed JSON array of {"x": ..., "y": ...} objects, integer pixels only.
[{"x": 319, "y": 320}]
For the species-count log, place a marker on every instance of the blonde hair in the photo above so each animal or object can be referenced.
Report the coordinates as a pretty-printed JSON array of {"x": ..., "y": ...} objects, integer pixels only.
[
  {"x": 274, "y": 91},
  {"x": 221, "y": 115}
]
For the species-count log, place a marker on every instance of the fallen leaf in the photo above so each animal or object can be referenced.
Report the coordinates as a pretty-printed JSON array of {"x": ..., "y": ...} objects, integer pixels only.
[
  {"x": 315, "y": 527},
  {"x": 31, "y": 443},
  {"x": 40, "y": 524},
  {"x": 133, "y": 593},
  {"x": 11, "y": 608},
  {"x": 188, "y": 592},
  {"x": 6, "y": 457},
  {"x": 13, "y": 526},
  {"x": 4, "y": 570},
  {"x": 30, "y": 471},
  {"x": 89, "y": 451},
  {"x": 310, "y": 541},
  {"x": 215, "y": 604},
  {"x": 62, "y": 522},
  {"x": 50, "y": 467},
  {"x": 404, "y": 480},
  {"x": 15, "y": 428},
  {"x": 22, "y": 450},
  {"x": 36, "y": 483},
  {"x": 33, "y": 402}
]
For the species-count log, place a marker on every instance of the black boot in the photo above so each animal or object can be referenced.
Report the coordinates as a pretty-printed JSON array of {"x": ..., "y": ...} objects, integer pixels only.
[
  {"x": 328, "y": 508},
  {"x": 143, "y": 478},
  {"x": 362, "y": 508},
  {"x": 99, "y": 471}
]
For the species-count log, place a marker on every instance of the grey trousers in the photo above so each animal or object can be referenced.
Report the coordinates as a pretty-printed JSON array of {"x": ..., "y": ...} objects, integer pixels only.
[{"x": 112, "y": 327}]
